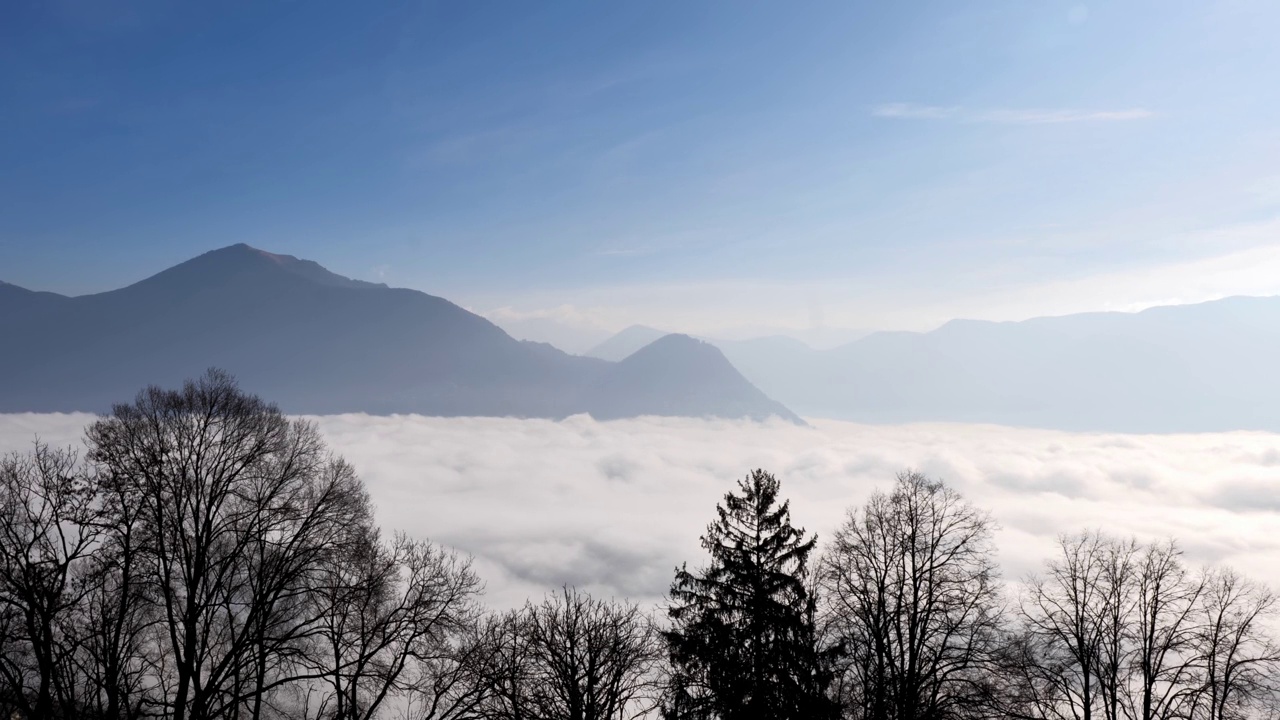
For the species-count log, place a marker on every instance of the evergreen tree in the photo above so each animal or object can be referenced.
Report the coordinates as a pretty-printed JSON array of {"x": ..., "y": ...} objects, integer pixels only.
[{"x": 742, "y": 641}]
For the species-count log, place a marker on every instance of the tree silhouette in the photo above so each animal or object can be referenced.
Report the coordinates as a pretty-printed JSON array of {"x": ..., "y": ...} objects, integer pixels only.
[
  {"x": 571, "y": 657},
  {"x": 743, "y": 642},
  {"x": 1114, "y": 629},
  {"x": 910, "y": 585},
  {"x": 48, "y": 531}
]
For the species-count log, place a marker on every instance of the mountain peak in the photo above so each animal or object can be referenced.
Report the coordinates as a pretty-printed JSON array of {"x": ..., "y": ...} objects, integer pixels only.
[
  {"x": 250, "y": 253},
  {"x": 234, "y": 261},
  {"x": 626, "y": 342},
  {"x": 317, "y": 342},
  {"x": 694, "y": 358},
  {"x": 680, "y": 375},
  {"x": 675, "y": 343},
  {"x": 308, "y": 269}
]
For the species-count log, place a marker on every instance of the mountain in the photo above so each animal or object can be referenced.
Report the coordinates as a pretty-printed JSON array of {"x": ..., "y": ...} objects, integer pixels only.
[
  {"x": 819, "y": 337},
  {"x": 573, "y": 339},
  {"x": 1189, "y": 368},
  {"x": 679, "y": 375},
  {"x": 775, "y": 358},
  {"x": 317, "y": 342},
  {"x": 625, "y": 342},
  {"x": 752, "y": 349},
  {"x": 1185, "y": 368},
  {"x": 16, "y": 302}
]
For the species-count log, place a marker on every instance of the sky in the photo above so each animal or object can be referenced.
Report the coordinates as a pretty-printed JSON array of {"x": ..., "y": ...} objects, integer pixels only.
[
  {"x": 694, "y": 166},
  {"x": 613, "y": 507}
]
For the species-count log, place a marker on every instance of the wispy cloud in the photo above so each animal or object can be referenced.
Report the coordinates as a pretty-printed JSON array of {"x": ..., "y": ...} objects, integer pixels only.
[
  {"x": 624, "y": 252},
  {"x": 915, "y": 112},
  {"x": 564, "y": 313},
  {"x": 1006, "y": 116}
]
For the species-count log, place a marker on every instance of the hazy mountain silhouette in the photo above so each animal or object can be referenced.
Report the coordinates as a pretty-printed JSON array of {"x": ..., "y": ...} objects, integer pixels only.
[
  {"x": 748, "y": 342},
  {"x": 774, "y": 357},
  {"x": 573, "y": 339},
  {"x": 678, "y": 375},
  {"x": 1205, "y": 367},
  {"x": 626, "y": 342},
  {"x": 317, "y": 342},
  {"x": 1182, "y": 368}
]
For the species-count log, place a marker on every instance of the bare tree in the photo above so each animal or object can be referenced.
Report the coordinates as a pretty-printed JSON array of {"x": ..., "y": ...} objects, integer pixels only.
[
  {"x": 571, "y": 657},
  {"x": 1162, "y": 633},
  {"x": 215, "y": 561},
  {"x": 48, "y": 529},
  {"x": 593, "y": 659},
  {"x": 297, "y": 529},
  {"x": 391, "y": 616},
  {"x": 507, "y": 671},
  {"x": 1060, "y": 612},
  {"x": 1238, "y": 662},
  {"x": 910, "y": 585},
  {"x": 1123, "y": 631},
  {"x": 1113, "y": 617},
  {"x": 238, "y": 504},
  {"x": 457, "y": 681},
  {"x": 116, "y": 623}
]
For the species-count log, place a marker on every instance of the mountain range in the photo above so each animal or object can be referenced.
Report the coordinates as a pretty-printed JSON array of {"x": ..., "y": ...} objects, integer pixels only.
[
  {"x": 316, "y": 342},
  {"x": 1211, "y": 366}
]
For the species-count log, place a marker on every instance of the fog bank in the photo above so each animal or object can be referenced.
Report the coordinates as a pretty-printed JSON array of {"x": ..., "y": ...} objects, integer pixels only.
[{"x": 615, "y": 506}]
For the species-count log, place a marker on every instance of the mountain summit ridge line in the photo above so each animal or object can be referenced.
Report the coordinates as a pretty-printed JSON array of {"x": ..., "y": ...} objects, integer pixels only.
[{"x": 317, "y": 342}]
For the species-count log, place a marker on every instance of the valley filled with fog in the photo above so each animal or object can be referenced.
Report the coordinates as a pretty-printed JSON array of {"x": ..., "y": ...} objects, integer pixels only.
[{"x": 614, "y": 506}]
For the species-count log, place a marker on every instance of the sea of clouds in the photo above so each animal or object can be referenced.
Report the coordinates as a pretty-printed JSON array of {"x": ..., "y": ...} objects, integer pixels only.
[{"x": 615, "y": 506}]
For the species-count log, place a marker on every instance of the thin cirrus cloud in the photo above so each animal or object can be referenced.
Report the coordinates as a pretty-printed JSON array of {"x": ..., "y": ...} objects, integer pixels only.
[
  {"x": 615, "y": 506},
  {"x": 1024, "y": 116}
]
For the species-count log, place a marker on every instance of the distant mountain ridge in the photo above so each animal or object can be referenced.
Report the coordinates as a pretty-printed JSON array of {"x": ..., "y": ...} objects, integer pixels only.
[
  {"x": 626, "y": 342},
  {"x": 702, "y": 381},
  {"x": 317, "y": 342},
  {"x": 1212, "y": 366}
]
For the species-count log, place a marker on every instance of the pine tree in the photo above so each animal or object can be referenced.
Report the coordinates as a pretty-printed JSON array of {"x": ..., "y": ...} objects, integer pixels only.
[{"x": 742, "y": 642}]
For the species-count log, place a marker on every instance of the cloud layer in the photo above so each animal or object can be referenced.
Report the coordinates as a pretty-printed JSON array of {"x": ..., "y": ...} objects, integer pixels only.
[{"x": 615, "y": 506}]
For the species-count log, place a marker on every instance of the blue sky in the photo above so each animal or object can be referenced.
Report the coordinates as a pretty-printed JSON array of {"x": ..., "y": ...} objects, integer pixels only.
[{"x": 691, "y": 165}]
